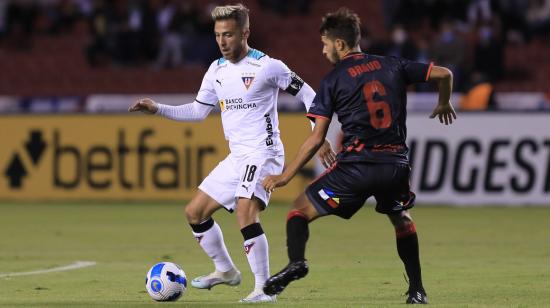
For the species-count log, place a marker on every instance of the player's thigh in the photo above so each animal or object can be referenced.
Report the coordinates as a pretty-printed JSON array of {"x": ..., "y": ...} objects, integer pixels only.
[
  {"x": 222, "y": 182},
  {"x": 253, "y": 170},
  {"x": 340, "y": 191},
  {"x": 392, "y": 192},
  {"x": 200, "y": 208}
]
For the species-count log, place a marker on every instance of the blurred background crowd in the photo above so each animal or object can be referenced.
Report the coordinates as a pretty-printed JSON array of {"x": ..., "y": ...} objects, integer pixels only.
[{"x": 82, "y": 47}]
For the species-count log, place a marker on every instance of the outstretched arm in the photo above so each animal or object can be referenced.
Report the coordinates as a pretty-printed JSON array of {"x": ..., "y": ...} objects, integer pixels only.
[
  {"x": 312, "y": 143},
  {"x": 326, "y": 154},
  {"x": 194, "y": 111},
  {"x": 444, "y": 109}
]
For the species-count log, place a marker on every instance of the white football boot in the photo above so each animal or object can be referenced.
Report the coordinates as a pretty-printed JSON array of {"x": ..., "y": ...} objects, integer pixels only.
[
  {"x": 231, "y": 277},
  {"x": 258, "y": 296}
]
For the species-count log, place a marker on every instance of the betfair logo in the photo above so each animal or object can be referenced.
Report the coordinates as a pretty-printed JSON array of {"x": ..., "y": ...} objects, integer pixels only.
[
  {"x": 16, "y": 170},
  {"x": 129, "y": 164}
]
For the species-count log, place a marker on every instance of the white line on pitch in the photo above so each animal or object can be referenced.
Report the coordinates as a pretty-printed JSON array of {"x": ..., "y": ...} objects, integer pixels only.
[{"x": 76, "y": 265}]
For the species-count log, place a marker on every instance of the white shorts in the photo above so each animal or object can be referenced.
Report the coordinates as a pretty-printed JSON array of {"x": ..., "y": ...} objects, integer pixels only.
[{"x": 241, "y": 176}]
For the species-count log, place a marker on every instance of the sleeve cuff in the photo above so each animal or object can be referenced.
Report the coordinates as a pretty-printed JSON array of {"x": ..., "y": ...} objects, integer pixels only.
[
  {"x": 312, "y": 116},
  {"x": 429, "y": 71},
  {"x": 160, "y": 108}
]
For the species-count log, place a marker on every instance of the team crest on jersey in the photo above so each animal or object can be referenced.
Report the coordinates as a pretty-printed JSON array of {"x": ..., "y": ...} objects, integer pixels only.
[{"x": 247, "y": 79}]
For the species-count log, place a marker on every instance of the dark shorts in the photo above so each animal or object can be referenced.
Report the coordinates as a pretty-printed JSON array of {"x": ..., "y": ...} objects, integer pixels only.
[{"x": 343, "y": 189}]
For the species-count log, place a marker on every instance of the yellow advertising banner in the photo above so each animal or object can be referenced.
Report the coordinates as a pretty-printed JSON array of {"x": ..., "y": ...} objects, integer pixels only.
[{"x": 120, "y": 157}]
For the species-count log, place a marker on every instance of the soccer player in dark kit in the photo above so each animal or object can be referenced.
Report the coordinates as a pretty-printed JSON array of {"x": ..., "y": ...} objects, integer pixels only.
[{"x": 368, "y": 93}]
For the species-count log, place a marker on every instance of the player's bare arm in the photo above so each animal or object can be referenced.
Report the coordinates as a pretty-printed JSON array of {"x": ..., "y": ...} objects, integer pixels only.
[
  {"x": 145, "y": 105},
  {"x": 444, "y": 109},
  {"x": 310, "y": 146}
]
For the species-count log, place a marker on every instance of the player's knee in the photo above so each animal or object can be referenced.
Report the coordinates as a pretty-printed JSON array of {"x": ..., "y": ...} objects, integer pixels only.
[
  {"x": 193, "y": 215},
  {"x": 404, "y": 229}
]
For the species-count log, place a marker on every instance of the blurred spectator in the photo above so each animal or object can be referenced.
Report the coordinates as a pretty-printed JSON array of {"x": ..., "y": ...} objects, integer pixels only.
[
  {"x": 489, "y": 53},
  {"x": 449, "y": 50},
  {"x": 287, "y": 7},
  {"x": 98, "y": 51},
  {"x": 3, "y": 25},
  {"x": 401, "y": 45},
  {"x": 480, "y": 95},
  {"x": 170, "y": 19},
  {"x": 538, "y": 17},
  {"x": 126, "y": 24},
  {"x": 479, "y": 12},
  {"x": 148, "y": 30},
  {"x": 513, "y": 15},
  {"x": 20, "y": 21},
  {"x": 201, "y": 48},
  {"x": 63, "y": 15}
]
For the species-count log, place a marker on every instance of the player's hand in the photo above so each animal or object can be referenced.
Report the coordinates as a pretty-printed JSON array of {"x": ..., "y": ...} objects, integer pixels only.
[
  {"x": 145, "y": 105},
  {"x": 272, "y": 181},
  {"x": 445, "y": 112},
  {"x": 326, "y": 154}
]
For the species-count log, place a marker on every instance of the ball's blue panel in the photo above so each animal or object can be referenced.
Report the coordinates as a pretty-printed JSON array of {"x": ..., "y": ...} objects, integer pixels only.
[{"x": 157, "y": 269}]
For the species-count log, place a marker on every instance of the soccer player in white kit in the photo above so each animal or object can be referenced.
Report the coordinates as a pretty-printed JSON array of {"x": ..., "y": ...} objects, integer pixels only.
[{"x": 245, "y": 83}]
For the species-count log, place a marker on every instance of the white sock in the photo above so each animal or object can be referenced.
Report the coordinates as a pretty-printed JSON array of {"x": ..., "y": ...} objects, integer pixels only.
[
  {"x": 212, "y": 243},
  {"x": 257, "y": 253}
]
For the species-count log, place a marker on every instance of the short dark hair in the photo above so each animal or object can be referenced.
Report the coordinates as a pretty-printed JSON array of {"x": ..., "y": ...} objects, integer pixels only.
[
  {"x": 343, "y": 24},
  {"x": 238, "y": 12}
]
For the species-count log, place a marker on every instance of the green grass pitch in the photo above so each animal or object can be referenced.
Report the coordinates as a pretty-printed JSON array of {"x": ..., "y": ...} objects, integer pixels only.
[{"x": 471, "y": 257}]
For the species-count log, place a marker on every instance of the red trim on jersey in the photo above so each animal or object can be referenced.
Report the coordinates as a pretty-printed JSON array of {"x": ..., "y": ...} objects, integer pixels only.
[
  {"x": 429, "y": 71},
  {"x": 329, "y": 169},
  {"x": 294, "y": 213},
  {"x": 311, "y": 115},
  {"x": 405, "y": 230},
  {"x": 354, "y": 54}
]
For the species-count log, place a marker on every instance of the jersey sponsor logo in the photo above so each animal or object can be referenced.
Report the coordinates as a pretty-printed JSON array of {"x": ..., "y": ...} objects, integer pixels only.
[
  {"x": 296, "y": 83},
  {"x": 269, "y": 130},
  {"x": 235, "y": 104},
  {"x": 359, "y": 69}
]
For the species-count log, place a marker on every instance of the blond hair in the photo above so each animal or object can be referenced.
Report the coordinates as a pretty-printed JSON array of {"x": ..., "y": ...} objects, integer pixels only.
[{"x": 238, "y": 12}]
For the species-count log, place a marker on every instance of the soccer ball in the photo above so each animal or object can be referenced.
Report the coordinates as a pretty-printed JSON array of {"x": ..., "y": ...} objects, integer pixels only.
[{"x": 166, "y": 281}]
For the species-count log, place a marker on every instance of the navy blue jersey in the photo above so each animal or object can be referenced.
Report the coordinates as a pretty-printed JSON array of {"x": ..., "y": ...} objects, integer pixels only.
[{"x": 369, "y": 95}]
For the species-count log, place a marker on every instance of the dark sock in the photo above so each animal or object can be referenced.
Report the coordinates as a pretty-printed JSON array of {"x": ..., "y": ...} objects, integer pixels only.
[
  {"x": 407, "y": 248},
  {"x": 251, "y": 231},
  {"x": 203, "y": 226},
  {"x": 297, "y": 233}
]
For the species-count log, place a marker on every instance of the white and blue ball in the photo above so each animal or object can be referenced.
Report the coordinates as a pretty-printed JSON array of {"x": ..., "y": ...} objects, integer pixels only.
[{"x": 166, "y": 281}]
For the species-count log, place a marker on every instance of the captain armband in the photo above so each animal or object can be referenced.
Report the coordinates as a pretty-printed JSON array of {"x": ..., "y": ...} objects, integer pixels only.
[{"x": 296, "y": 84}]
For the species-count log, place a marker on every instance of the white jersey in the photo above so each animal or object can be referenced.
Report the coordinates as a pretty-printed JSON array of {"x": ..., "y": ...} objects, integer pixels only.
[{"x": 247, "y": 94}]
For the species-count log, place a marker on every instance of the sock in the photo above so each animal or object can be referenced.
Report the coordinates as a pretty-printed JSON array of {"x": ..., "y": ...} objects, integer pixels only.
[
  {"x": 297, "y": 233},
  {"x": 407, "y": 248},
  {"x": 257, "y": 253},
  {"x": 210, "y": 238}
]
